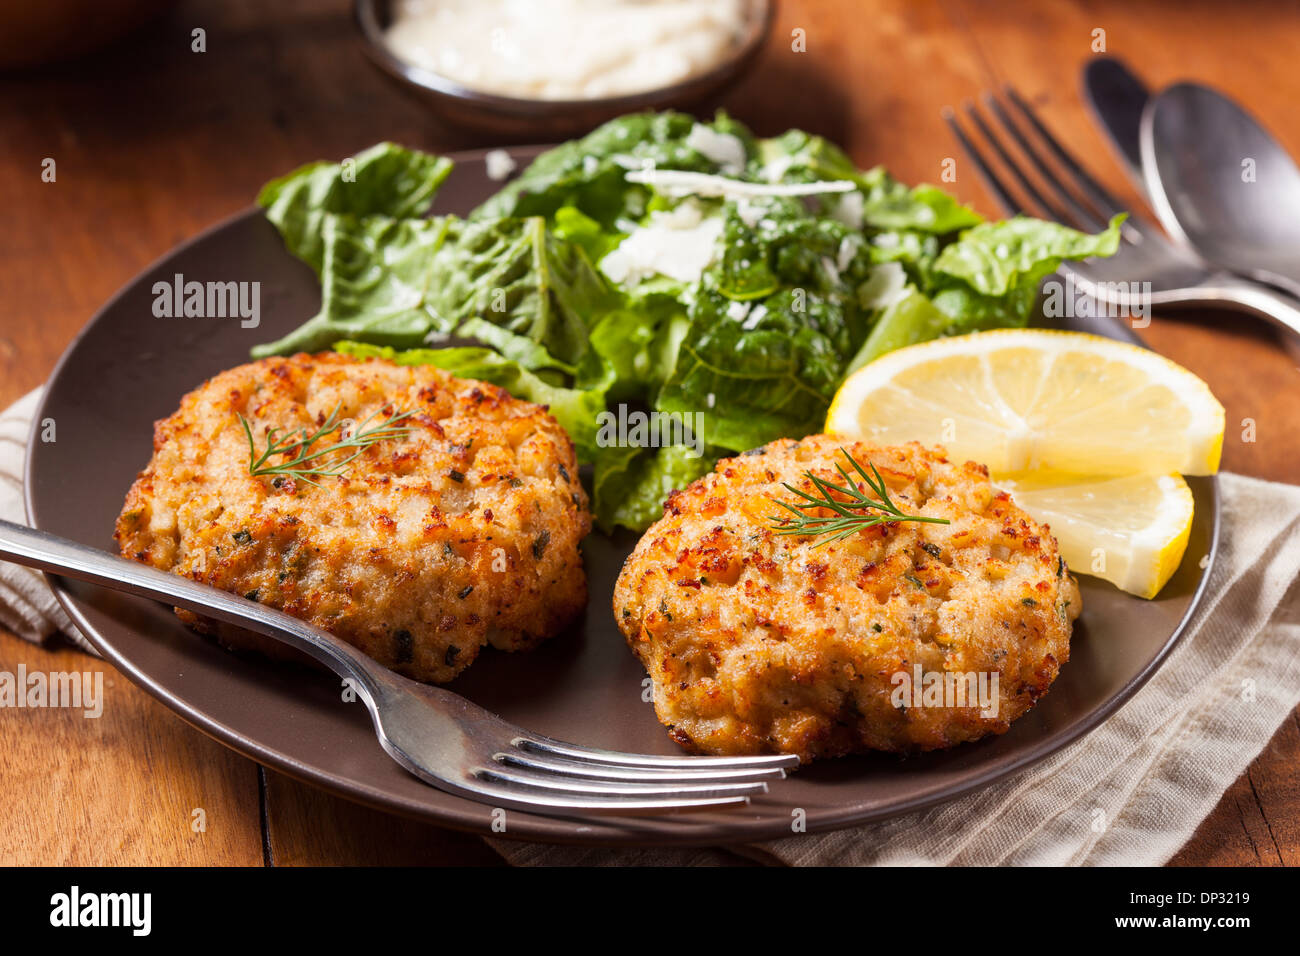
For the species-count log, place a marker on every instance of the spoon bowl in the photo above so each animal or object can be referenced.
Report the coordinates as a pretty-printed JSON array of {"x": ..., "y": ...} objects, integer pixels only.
[{"x": 1223, "y": 183}]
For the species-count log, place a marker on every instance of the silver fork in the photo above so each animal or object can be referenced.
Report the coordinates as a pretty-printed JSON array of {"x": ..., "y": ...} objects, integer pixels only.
[
  {"x": 435, "y": 734},
  {"x": 1062, "y": 189}
]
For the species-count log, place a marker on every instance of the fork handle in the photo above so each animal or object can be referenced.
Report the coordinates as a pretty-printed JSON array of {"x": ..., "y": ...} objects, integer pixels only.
[
  {"x": 1277, "y": 307},
  {"x": 48, "y": 552}
]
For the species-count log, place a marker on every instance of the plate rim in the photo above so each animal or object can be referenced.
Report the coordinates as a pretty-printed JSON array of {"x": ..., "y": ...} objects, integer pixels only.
[{"x": 525, "y": 827}]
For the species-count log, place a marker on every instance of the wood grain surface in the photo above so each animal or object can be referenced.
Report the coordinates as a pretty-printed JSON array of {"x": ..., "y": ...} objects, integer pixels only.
[
  {"x": 132, "y": 786},
  {"x": 153, "y": 142}
]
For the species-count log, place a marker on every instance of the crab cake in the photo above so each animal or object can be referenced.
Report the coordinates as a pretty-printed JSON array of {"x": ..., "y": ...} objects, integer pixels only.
[
  {"x": 759, "y": 642},
  {"x": 459, "y": 532}
]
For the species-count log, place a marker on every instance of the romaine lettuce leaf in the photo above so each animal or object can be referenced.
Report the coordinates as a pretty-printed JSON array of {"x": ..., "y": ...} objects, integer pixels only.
[
  {"x": 757, "y": 377},
  {"x": 517, "y": 348},
  {"x": 639, "y": 344},
  {"x": 774, "y": 243},
  {"x": 630, "y": 484},
  {"x": 993, "y": 257},
  {"x": 375, "y": 285},
  {"x": 384, "y": 180},
  {"x": 588, "y": 174},
  {"x": 924, "y": 208},
  {"x": 969, "y": 311},
  {"x": 573, "y": 225},
  {"x": 515, "y": 274},
  {"x": 886, "y": 204},
  {"x": 911, "y": 319},
  {"x": 396, "y": 281},
  {"x": 796, "y": 156}
]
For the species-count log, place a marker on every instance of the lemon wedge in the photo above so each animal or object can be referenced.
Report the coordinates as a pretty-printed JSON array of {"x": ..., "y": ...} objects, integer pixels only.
[
  {"x": 1130, "y": 530},
  {"x": 1023, "y": 399},
  {"x": 1088, "y": 435}
]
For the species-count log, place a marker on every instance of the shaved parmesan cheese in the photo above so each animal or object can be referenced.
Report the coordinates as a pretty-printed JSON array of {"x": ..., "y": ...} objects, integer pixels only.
[
  {"x": 674, "y": 182},
  {"x": 775, "y": 170},
  {"x": 722, "y": 148},
  {"x": 754, "y": 212},
  {"x": 749, "y": 213},
  {"x": 886, "y": 285},
  {"x": 755, "y": 316},
  {"x": 678, "y": 243},
  {"x": 499, "y": 164},
  {"x": 845, "y": 255},
  {"x": 832, "y": 270},
  {"x": 849, "y": 210}
]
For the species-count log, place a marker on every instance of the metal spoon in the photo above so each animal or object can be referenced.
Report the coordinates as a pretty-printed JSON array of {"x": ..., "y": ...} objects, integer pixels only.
[{"x": 1221, "y": 182}]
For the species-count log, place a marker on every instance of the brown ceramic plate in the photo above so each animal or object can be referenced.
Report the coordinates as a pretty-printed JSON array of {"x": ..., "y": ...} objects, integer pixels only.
[{"x": 129, "y": 368}]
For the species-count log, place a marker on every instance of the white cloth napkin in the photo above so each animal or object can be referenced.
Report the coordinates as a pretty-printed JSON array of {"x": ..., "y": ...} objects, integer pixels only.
[
  {"x": 1131, "y": 792},
  {"x": 27, "y": 605}
]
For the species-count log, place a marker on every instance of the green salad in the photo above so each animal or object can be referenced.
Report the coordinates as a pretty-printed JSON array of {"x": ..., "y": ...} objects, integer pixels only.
[{"x": 659, "y": 264}]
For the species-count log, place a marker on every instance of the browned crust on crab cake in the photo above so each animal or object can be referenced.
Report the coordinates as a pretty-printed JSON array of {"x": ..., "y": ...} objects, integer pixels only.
[
  {"x": 759, "y": 642},
  {"x": 462, "y": 533}
]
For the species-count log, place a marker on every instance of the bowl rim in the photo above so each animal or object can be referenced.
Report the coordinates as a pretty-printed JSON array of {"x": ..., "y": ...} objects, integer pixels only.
[{"x": 760, "y": 20}]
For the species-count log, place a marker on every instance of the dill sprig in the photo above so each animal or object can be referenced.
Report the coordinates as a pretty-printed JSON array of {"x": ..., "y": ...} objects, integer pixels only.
[
  {"x": 307, "y": 465},
  {"x": 851, "y": 513}
]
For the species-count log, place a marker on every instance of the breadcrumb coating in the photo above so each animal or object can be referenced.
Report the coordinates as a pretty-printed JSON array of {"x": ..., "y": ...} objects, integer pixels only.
[
  {"x": 460, "y": 533},
  {"x": 758, "y": 642}
]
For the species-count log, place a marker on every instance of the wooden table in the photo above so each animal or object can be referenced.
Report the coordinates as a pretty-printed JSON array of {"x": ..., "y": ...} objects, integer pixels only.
[{"x": 153, "y": 142}]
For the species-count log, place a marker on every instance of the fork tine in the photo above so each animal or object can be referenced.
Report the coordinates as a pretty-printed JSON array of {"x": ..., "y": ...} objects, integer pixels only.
[
  {"x": 1102, "y": 200},
  {"x": 501, "y": 795},
  {"x": 648, "y": 761},
  {"x": 494, "y": 789},
  {"x": 552, "y": 783},
  {"x": 1027, "y": 186},
  {"x": 588, "y": 769},
  {"x": 1083, "y": 217},
  {"x": 1009, "y": 203}
]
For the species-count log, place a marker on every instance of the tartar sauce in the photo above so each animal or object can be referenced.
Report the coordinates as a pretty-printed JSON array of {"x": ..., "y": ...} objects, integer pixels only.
[{"x": 565, "y": 49}]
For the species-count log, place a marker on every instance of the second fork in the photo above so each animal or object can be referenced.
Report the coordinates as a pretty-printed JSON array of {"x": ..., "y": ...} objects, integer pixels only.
[{"x": 1050, "y": 182}]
